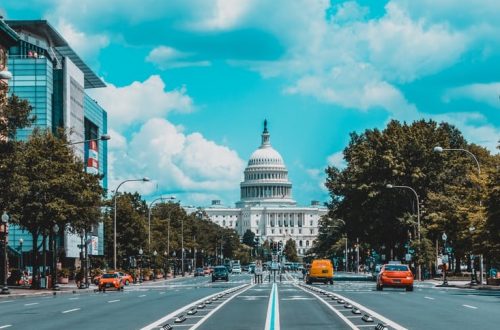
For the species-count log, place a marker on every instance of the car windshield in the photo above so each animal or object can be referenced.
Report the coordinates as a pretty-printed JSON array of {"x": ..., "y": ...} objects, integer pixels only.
[
  {"x": 399, "y": 268},
  {"x": 110, "y": 276}
]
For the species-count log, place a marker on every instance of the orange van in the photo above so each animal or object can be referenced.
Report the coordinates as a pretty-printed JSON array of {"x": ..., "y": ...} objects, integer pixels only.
[{"x": 321, "y": 270}]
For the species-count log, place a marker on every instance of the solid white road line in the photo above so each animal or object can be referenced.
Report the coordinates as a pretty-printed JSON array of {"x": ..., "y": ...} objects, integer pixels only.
[
  {"x": 142, "y": 295},
  {"x": 469, "y": 306},
  {"x": 157, "y": 323},
  {"x": 6, "y": 326},
  {"x": 71, "y": 310},
  {"x": 113, "y": 301},
  {"x": 273, "y": 310},
  {"x": 74, "y": 298},
  {"x": 31, "y": 304},
  {"x": 204, "y": 318},
  {"x": 430, "y": 298},
  {"x": 345, "y": 319}
]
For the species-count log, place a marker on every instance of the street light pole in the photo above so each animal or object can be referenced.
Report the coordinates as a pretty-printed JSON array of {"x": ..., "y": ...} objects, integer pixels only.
[
  {"x": 182, "y": 246},
  {"x": 145, "y": 179},
  {"x": 21, "y": 266},
  {"x": 55, "y": 285},
  {"x": 5, "y": 232},
  {"x": 419, "y": 267},
  {"x": 441, "y": 149},
  {"x": 445, "y": 280},
  {"x": 149, "y": 217},
  {"x": 104, "y": 137}
]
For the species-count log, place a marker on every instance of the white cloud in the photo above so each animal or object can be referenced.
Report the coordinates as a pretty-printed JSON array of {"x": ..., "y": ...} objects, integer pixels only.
[
  {"x": 167, "y": 58},
  {"x": 337, "y": 160},
  {"x": 483, "y": 93},
  {"x": 87, "y": 46},
  {"x": 134, "y": 104},
  {"x": 176, "y": 161}
]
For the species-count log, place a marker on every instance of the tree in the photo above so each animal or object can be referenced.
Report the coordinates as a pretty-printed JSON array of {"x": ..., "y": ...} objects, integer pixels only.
[
  {"x": 249, "y": 238},
  {"x": 53, "y": 189},
  {"x": 290, "y": 251},
  {"x": 131, "y": 227},
  {"x": 403, "y": 155}
]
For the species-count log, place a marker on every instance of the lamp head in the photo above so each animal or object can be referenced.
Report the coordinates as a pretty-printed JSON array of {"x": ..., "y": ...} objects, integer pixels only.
[
  {"x": 438, "y": 149},
  {"x": 146, "y": 179},
  {"x": 155, "y": 253},
  {"x": 56, "y": 228},
  {"x": 21, "y": 241},
  {"x": 389, "y": 186},
  {"x": 141, "y": 251},
  {"x": 5, "y": 217},
  {"x": 105, "y": 137}
]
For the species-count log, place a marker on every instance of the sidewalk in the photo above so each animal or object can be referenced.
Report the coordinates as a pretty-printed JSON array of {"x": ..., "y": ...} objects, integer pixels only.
[
  {"x": 71, "y": 288},
  {"x": 464, "y": 285}
]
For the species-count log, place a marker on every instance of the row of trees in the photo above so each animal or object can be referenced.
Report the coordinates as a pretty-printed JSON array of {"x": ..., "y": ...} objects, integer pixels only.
[
  {"x": 455, "y": 198},
  {"x": 43, "y": 183},
  {"x": 170, "y": 224}
]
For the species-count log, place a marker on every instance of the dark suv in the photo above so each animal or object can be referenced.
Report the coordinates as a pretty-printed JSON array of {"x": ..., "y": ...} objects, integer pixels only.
[{"x": 220, "y": 273}]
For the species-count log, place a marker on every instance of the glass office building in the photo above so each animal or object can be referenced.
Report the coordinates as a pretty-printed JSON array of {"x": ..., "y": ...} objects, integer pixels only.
[{"x": 53, "y": 78}]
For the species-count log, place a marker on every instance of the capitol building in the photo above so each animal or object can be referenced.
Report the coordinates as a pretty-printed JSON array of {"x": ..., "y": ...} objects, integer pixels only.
[{"x": 266, "y": 205}]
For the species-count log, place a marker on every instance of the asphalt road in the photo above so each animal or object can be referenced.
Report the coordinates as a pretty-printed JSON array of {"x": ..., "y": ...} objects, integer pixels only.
[{"x": 240, "y": 304}]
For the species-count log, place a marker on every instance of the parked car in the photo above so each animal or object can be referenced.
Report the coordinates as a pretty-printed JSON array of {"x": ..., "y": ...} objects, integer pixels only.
[
  {"x": 207, "y": 270},
  {"x": 220, "y": 273},
  {"x": 126, "y": 278},
  {"x": 199, "y": 272},
  {"x": 110, "y": 281}
]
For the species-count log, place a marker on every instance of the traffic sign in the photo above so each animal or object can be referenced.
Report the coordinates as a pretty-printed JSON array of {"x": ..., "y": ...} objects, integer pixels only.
[
  {"x": 411, "y": 251},
  {"x": 449, "y": 249},
  {"x": 408, "y": 257}
]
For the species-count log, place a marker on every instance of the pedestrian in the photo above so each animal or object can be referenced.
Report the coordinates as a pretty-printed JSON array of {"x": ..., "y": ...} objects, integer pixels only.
[{"x": 258, "y": 271}]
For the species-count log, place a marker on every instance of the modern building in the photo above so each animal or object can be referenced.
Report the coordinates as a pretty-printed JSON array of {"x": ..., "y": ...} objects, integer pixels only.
[
  {"x": 266, "y": 205},
  {"x": 53, "y": 78},
  {"x": 8, "y": 38}
]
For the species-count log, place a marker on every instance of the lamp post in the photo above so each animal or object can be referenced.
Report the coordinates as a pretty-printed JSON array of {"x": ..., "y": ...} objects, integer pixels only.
[
  {"x": 419, "y": 267},
  {"x": 21, "y": 266},
  {"x": 154, "y": 265},
  {"x": 175, "y": 262},
  {"x": 140, "y": 269},
  {"x": 165, "y": 263},
  {"x": 5, "y": 233},
  {"x": 145, "y": 179},
  {"x": 149, "y": 217},
  {"x": 55, "y": 285},
  {"x": 473, "y": 279},
  {"x": 440, "y": 150},
  {"x": 182, "y": 246},
  {"x": 445, "y": 260},
  {"x": 104, "y": 137}
]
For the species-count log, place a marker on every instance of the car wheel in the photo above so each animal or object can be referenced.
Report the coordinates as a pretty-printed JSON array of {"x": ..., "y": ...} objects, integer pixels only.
[
  {"x": 409, "y": 288},
  {"x": 331, "y": 282},
  {"x": 379, "y": 287}
]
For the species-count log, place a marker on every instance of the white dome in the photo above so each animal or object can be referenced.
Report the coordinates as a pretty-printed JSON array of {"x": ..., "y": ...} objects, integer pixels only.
[{"x": 266, "y": 156}]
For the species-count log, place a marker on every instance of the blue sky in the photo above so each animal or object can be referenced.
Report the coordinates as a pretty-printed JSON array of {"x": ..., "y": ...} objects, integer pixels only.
[{"x": 191, "y": 82}]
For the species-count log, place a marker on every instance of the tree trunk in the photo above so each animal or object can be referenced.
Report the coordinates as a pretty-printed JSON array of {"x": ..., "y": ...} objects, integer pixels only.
[
  {"x": 35, "y": 284},
  {"x": 458, "y": 270}
]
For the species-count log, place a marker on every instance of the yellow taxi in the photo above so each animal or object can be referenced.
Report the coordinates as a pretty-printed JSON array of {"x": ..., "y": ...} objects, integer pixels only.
[
  {"x": 321, "y": 270},
  {"x": 111, "y": 281}
]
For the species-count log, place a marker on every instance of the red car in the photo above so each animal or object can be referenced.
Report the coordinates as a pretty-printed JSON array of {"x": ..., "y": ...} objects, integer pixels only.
[{"x": 397, "y": 276}]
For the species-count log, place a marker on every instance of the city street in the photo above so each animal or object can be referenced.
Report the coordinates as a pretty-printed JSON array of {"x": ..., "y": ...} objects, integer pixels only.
[{"x": 240, "y": 304}]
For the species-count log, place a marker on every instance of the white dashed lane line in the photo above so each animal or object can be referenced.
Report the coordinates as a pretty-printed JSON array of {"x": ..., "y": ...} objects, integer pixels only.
[
  {"x": 71, "y": 310},
  {"x": 113, "y": 301},
  {"x": 74, "y": 298},
  {"x": 5, "y": 326},
  {"x": 469, "y": 306},
  {"x": 430, "y": 298},
  {"x": 142, "y": 295},
  {"x": 31, "y": 304}
]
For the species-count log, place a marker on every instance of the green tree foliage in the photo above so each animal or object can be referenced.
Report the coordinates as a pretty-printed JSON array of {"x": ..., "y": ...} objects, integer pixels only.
[
  {"x": 402, "y": 154},
  {"x": 492, "y": 227},
  {"x": 15, "y": 115},
  {"x": 249, "y": 238},
  {"x": 290, "y": 251},
  {"x": 53, "y": 189},
  {"x": 131, "y": 228}
]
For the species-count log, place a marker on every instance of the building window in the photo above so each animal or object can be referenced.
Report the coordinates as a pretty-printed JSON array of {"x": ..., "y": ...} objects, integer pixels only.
[
  {"x": 307, "y": 243},
  {"x": 300, "y": 231},
  {"x": 272, "y": 231},
  {"x": 311, "y": 223},
  {"x": 300, "y": 243},
  {"x": 281, "y": 231},
  {"x": 224, "y": 223},
  {"x": 230, "y": 223},
  {"x": 312, "y": 231}
]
